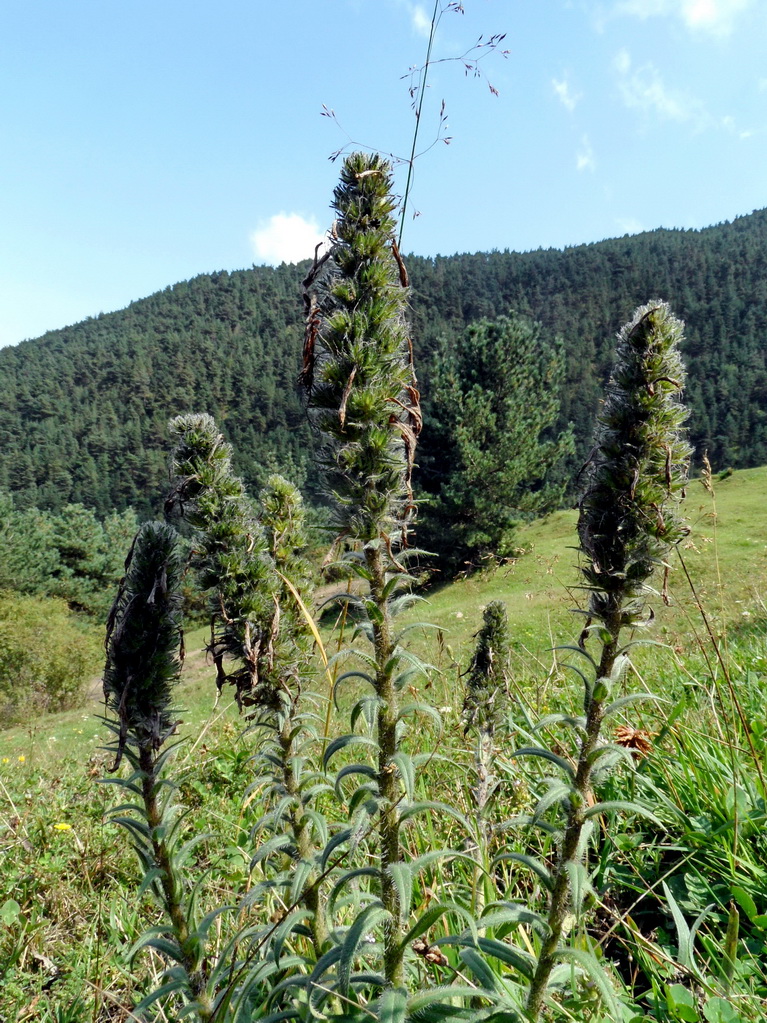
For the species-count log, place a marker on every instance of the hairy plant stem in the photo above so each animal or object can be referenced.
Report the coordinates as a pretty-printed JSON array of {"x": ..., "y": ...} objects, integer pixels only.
[
  {"x": 170, "y": 886},
  {"x": 482, "y": 791},
  {"x": 300, "y": 826},
  {"x": 388, "y": 821},
  {"x": 570, "y": 851}
]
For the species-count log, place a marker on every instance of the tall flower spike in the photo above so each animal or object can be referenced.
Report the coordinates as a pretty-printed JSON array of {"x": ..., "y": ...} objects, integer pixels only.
[
  {"x": 230, "y": 554},
  {"x": 358, "y": 369},
  {"x": 361, "y": 392},
  {"x": 143, "y": 641},
  {"x": 628, "y": 520}
]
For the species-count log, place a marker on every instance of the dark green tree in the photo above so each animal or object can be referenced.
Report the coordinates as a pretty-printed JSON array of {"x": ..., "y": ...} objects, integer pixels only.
[{"x": 492, "y": 455}]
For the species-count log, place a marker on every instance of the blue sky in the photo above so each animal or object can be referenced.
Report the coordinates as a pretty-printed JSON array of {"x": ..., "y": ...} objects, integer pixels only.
[{"x": 146, "y": 142}]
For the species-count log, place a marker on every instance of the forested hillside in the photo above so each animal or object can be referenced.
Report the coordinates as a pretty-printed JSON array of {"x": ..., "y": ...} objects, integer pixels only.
[{"x": 84, "y": 410}]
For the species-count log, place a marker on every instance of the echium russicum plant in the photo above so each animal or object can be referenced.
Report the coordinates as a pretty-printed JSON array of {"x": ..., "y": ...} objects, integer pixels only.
[
  {"x": 485, "y": 704},
  {"x": 486, "y": 696},
  {"x": 256, "y": 577},
  {"x": 629, "y": 523},
  {"x": 229, "y": 552},
  {"x": 143, "y": 663},
  {"x": 363, "y": 398},
  {"x": 358, "y": 366}
]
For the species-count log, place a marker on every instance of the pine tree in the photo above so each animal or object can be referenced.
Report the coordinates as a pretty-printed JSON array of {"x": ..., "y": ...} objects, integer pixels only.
[{"x": 492, "y": 458}]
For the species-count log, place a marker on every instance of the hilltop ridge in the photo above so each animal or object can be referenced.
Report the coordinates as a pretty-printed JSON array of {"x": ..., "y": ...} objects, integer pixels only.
[{"x": 83, "y": 410}]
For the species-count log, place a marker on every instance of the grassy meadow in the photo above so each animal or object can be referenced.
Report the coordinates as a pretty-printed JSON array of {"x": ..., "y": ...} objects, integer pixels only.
[{"x": 70, "y": 907}]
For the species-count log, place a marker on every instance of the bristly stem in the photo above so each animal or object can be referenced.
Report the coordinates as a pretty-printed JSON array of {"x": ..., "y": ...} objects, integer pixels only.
[
  {"x": 171, "y": 884},
  {"x": 388, "y": 785}
]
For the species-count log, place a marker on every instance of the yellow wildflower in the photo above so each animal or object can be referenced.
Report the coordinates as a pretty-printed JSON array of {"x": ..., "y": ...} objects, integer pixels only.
[
  {"x": 62, "y": 826},
  {"x": 22, "y": 759},
  {"x": 6, "y": 760}
]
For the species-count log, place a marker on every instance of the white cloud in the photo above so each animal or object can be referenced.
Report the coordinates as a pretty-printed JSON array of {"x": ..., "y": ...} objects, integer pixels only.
[
  {"x": 285, "y": 238},
  {"x": 585, "y": 157},
  {"x": 642, "y": 88},
  {"x": 420, "y": 20},
  {"x": 629, "y": 225},
  {"x": 622, "y": 62},
  {"x": 564, "y": 93},
  {"x": 715, "y": 16}
]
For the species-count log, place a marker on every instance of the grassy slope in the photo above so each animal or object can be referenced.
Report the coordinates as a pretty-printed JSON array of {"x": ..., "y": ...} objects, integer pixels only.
[
  {"x": 727, "y": 545},
  {"x": 728, "y": 542}
]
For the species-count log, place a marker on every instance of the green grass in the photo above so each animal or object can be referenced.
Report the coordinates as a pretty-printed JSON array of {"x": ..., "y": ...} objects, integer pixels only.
[
  {"x": 73, "y": 878},
  {"x": 727, "y": 543},
  {"x": 78, "y": 734}
]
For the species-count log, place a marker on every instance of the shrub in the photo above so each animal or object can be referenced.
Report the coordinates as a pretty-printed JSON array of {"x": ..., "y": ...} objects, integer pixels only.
[{"x": 46, "y": 657}]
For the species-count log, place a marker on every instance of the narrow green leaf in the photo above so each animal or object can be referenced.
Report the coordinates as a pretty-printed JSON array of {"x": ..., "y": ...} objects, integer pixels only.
[
  {"x": 684, "y": 937},
  {"x": 341, "y": 742},
  {"x": 402, "y": 875},
  {"x": 273, "y": 845},
  {"x": 520, "y": 959},
  {"x": 546, "y": 754},
  {"x": 626, "y": 807},
  {"x": 367, "y": 707},
  {"x": 364, "y": 923},
  {"x": 391, "y": 1006},
  {"x": 424, "y": 999},
  {"x": 406, "y": 770},
  {"x": 347, "y": 878},
  {"x": 555, "y": 794},
  {"x": 177, "y": 984},
  {"x": 745, "y": 901},
  {"x": 579, "y": 884},
  {"x": 579, "y": 723},
  {"x": 590, "y": 966},
  {"x": 421, "y": 708},
  {"x": 352, "y": 769},
  {"x": 581, "y": 652},
  {"x": 333, "y": 844},
  {"x": 479, "y": 968},
  {"x": 499, "y": 914},
  {"x": 433, "y": 914},
  {"x": 347, "y": 675},
  {"x": 450, "y": 811},
  {"x": 624, "y": 701}
]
